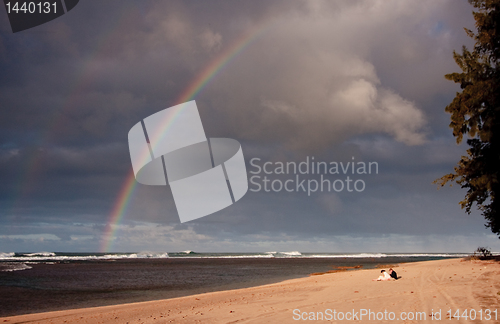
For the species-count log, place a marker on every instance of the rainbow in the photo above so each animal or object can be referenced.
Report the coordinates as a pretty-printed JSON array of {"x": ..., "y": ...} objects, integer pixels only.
[{"x": 213, "y": 68}]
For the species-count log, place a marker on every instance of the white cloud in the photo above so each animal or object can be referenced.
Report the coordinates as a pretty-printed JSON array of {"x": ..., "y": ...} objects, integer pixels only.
[{"x": 311, "y": 79}]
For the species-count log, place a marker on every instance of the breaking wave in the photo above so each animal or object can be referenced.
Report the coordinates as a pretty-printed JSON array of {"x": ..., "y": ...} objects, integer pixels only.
[
  {"x": 53, "y": 256},
  {"x": 13, "y": 266},
  {"x": 59, "y": 256}
]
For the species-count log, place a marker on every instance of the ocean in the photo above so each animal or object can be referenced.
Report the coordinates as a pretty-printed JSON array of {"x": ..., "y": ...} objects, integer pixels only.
[{"x": 47, "y": 281}]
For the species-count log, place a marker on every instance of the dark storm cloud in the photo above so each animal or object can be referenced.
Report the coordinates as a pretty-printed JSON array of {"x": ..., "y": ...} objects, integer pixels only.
[
  {"x": 90, "y": 75},
  {"x": 329, "y": 79}
]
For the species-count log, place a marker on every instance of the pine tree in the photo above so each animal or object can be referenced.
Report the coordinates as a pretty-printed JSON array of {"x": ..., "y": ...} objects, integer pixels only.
[{"x": 475, "y": 112}]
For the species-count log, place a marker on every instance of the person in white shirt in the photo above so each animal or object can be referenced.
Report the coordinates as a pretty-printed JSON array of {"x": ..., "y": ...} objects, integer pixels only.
[{"x": 383, "y": 277}]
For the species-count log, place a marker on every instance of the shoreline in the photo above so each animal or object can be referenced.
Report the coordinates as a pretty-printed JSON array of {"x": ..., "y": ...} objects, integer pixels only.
[
  {"x": 64, "y": 286},
  {"x": 425, "y": 286}
]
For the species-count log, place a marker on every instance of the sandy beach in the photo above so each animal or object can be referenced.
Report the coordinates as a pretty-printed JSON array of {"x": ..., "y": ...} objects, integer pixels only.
[{"x": 427, "y": 291}]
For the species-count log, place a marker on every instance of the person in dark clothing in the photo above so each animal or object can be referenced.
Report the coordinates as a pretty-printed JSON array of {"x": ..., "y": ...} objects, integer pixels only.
[{"x": 393, "y": 274}]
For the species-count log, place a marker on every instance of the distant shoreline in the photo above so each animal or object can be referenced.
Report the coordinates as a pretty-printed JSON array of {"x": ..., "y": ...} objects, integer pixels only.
[{"x": 424, "y": 286}]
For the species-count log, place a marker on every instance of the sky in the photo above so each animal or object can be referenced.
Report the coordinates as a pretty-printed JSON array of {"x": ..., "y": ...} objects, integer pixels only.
[{"x": 337, "y": 81}]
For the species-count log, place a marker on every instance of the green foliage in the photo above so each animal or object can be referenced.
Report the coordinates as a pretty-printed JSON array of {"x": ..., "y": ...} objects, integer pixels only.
[
  {"x": 483, "y": 252},
  {"x": 475, "y": 112}
]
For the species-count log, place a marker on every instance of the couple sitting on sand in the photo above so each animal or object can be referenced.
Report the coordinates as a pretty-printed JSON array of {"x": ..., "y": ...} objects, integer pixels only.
[{"x": 387, "y": 276}]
